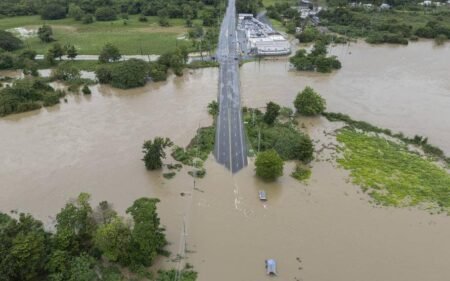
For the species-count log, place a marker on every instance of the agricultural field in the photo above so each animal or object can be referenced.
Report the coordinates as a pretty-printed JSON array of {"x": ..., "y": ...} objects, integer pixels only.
[{"x": 131, "y": 36}]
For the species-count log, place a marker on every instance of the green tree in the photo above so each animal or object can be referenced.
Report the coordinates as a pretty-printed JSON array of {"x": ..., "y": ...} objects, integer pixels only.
[
  {"x": 75, "y": 12},
  {"x": 154, "y": 152},
  {"x": 309, "y": 103},
  {"x": 82, "y": 269},
  {"x": 23, "y": 247},
  {"x": 129, "y": 74},
  {"x": 213, "y": 108},
  {"x": 272, "y": 112},
  {"x": 71, "y": 51},
  {"x": 56, "y": 51},
  {"x": 269, "y": 165},
  {"x": 157, "y": 72},
  {"x": 75, "y": 226},
  {"x": 88, "y": 19},
  {"x": 147, "y": 237},
  {"x": 163, "y": 17},
  {"x": 109, "y": 53},
  {"x": 113, "y": 239},
  {"x": 45, "y": 33},
  {"x": 9, "y": 42}
]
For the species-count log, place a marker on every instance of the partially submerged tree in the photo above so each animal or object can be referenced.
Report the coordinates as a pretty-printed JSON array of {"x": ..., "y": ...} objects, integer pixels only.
[
  {"x": 154, "y": 152},
  {"x": 269, "y": 165},
  {"x": 272, "y": 112},
  {"x": 309, "y": 103}
]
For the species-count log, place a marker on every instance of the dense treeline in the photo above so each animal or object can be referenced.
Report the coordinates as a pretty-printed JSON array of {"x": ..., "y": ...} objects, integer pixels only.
[
  {"x": 83, "y": 235},
  {"x": 53, "y": 9},
  {"x": 135, "y": 73},
  {"x": 27, "y": 94},
  {"x": 390, "y": 26}
]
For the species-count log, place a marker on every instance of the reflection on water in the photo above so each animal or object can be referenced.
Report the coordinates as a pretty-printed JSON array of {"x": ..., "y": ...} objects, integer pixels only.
[{"x": 92, "y": 144}]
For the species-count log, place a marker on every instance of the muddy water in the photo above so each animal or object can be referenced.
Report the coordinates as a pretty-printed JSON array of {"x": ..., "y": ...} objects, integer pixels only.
[
  {"x": 404, "y": 88},
  {"x": 92, "y": 144}
]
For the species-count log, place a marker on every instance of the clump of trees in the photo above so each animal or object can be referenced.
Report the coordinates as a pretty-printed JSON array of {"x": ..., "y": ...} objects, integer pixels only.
[
  {"x": 83, "y": 236},
  {"x": 27, "y": 94},
  {"x": 134, "y": 72},
  {"x": 316, "y": 60},
  {"x": 154, "y": 152},
  {"x": 105, "y": 14},
  {"x": 53, "y": 11},
  {"x": 309, "y": 103},
  {"x": 280, "y": 135},
  {"x": 269, "y": 165},
  {"x": 45, "y": 33}
]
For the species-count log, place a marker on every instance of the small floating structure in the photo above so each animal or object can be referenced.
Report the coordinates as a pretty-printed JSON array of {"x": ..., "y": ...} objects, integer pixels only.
[
  {"x": 271, "y": 267},
  {"x": 262, "y": 195}
]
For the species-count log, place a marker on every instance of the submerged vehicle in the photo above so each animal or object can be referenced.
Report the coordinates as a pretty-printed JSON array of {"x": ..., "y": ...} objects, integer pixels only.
[
  {"x": 262, "y": 195},
  {"x": 271, "y": 267}
]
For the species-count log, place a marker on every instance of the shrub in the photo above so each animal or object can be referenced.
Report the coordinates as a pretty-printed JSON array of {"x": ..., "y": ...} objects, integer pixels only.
[
  {"x": 105, "y": 14},
  {"x": 143, "y": 18},
  {"x": 66, "y": 71},
  {"x": 158, "y": 72},
  {"x": 103, "y": 74},
  {"x": 9, "y": 42},
  {"x": 6, "y": 61},
  {"x": 308, "y": 102},
  {"x": 129, "y": 74},
  {"x": 86, "y": 90},
  {"x": 45, "y": 33},
  {"x": 88, "y": 19}
]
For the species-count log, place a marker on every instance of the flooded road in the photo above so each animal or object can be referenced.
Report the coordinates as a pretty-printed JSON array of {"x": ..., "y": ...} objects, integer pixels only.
[{"x": 326, "y": 230}]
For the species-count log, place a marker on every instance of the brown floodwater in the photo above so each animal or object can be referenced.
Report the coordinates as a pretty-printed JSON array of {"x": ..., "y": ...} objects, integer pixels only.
[{"x": 324, "y": 230}]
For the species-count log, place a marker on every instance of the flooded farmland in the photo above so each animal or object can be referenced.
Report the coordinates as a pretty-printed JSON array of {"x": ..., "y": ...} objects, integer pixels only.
[{"x": 325, "y": 230}]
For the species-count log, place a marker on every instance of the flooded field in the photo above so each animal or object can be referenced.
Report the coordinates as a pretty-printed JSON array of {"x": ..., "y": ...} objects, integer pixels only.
[{"x": 326, "y": 230}]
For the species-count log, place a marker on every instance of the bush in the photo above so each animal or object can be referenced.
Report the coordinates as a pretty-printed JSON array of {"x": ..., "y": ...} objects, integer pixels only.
[
  {"x": 143, "y": 18},
  {"x": 9, "y": 42},
  {"x": 6, "y": 61},
  {"x": 53, "y": 12},
  {"x": 86, "y": 90},
  {"x": 45, "y": 33},
  {"x": 158, "y": 72},
  {"x": 66, "y": 71},
  {"x": 308, "y": 102},
  {"x": 88, "y": 19},
  {"x": 129, "y": 74},
  {"x": 269, "y": 165},
  {"x": 103, "y": 74},
  {"x": 105, "y": 14}
]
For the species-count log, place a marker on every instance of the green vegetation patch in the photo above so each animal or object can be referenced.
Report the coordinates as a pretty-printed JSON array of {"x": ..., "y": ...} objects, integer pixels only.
[
  {"x": 198, "y": 149},
  {"x": 301, "y": 173},
  {"x": 391, "y": 174},
  {"x": 26, "y": 95}
]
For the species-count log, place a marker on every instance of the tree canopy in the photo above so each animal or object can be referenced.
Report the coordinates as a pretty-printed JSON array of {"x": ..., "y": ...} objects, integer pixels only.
[
  {"x": 154, "y": 152},
  {"x": 269, "y": 165},
  {"x": 308, "y": 102}
]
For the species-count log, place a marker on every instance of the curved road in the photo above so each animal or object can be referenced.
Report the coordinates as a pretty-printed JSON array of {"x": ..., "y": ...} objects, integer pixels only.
[{"x": 230, "y": 148}]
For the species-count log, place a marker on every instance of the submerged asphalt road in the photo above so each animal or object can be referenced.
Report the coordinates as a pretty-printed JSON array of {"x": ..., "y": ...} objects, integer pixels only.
[{"x": 230, "y": 148}]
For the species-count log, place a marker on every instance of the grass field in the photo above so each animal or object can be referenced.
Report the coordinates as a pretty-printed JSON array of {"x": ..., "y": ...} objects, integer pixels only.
[
  {"x": 133, "y": 38},
  {"x": 393, "y": 175}
]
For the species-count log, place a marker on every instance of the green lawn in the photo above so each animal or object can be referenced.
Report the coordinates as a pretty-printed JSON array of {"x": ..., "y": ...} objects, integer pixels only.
[
  {"x": 133, "y": 38},
  {"x": 391, "y": 173}
]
